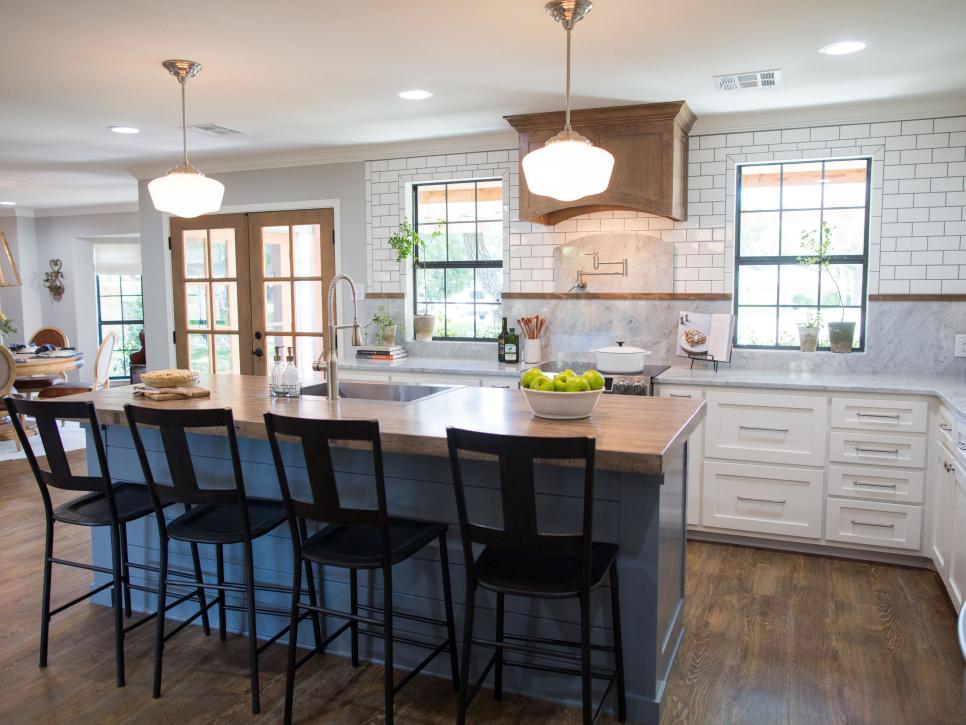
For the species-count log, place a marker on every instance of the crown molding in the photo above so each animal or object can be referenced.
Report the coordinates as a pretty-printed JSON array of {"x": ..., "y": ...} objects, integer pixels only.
[
  {"x": 344, "y": 154},
  {"x": 16, "y": 212},
  {"x": 897, "y": 109},
  {"x": 123, "y": 208}
]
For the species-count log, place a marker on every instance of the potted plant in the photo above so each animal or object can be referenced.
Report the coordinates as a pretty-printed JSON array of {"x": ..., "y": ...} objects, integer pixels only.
[
  {"x": 808, "y": 332},
  {"x": 405, "y": 241},
  {"x": 6, "y": 327},
  {"x": 385, "y": 327},
  {"x": 841, "y": 333}
]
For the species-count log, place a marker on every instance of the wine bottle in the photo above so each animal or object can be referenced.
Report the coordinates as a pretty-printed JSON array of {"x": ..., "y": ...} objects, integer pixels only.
[
  {"x": 511, "y": 347},
  {"x": 501, "y": 344}
]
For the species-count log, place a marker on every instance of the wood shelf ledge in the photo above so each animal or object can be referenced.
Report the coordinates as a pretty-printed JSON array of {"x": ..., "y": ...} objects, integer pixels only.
[{"x": 723, "y": 296}]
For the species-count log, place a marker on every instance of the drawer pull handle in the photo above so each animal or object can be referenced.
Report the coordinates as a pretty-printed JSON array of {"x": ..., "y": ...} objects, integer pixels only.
[
  {"x": 878, "y": 415},
  {"x": 773, "y": 430},
  {"x": 874, "y": 485},
  {"x": 679, "y": 395},
  {"x": 893, "y": 451},
  {"x": 761, "y": 500},
  {"x": 871, "y": 523},
  {"x": 945, "y": 427},
  {"x": 948, "y": 466}
]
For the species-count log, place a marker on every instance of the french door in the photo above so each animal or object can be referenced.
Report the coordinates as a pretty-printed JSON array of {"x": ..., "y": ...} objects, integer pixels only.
[{"x": 248, "y": 283}]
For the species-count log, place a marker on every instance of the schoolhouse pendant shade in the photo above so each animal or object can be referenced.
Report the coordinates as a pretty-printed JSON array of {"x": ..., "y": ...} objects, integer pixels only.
[
  {"x": 568, "y": 167},
  {"x": 184, "y": 191}
]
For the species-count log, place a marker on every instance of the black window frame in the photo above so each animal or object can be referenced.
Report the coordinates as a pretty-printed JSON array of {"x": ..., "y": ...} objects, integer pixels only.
[
  {"x": 102, "y": 323},
  {"x": 783, "y": 260},
  {"x": 477, "y": 264}
]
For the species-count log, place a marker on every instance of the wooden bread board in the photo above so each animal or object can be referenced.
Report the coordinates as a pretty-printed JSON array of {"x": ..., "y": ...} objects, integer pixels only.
[{"x": 175, "y": 393}]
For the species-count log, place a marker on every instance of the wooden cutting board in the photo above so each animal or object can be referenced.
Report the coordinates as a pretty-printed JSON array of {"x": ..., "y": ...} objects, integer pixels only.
[{"x": 174, "y": 393}]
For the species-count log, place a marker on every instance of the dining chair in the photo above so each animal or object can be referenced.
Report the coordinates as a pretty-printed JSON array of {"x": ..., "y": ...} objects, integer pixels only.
[
  {"x": 8, "y": 375},
  {"x": 50, "y": 336},
  {"x": 102, "y": 373},
  {"x": 35, "y": 383}
]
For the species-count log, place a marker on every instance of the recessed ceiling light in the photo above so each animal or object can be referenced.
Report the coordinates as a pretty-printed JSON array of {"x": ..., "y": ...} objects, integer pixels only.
[
  {"x": 124, "y": 129},
  {"x": 8, "y": 203},
  {"x": 842, "y": 47},
  {"x": 416, "y": 95}
]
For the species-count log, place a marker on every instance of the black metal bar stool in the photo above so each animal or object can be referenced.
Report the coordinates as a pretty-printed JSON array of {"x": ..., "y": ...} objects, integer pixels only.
[
  {"x": 354, "y": 539},
  {"x": 518, "y": 560},
  {"x": 217, "y": 516},
  {"x": 105, "y": 504}
]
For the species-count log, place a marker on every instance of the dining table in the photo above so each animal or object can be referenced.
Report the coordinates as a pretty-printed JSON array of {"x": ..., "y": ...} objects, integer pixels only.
[{"x": 56, "y": 362}]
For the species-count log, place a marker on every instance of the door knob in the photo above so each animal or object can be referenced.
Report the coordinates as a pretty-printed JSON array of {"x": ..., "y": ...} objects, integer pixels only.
[
  {"x": 258, "y": 335},
  {"x": 257, "y": 352}
]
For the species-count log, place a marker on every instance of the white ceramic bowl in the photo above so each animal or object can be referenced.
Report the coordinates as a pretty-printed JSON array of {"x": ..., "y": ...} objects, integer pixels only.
[{"x": 562, "y": 406}]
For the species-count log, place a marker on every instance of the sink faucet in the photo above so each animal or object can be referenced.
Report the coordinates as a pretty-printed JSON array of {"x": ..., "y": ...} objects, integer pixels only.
[{"x": 332, "y": 351}]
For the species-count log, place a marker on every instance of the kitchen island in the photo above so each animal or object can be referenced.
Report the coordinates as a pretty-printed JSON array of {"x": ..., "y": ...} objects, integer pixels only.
[{"x": 639, "y": 504}]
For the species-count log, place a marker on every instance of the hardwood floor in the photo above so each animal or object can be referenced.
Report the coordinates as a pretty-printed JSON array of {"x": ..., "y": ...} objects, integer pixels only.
[{"x": 771, "y": 638}]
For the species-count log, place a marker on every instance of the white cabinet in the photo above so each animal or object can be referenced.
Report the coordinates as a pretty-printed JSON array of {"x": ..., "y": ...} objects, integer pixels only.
[
  {"x": 762, "y": 499},
  {"x": 766, "y": 428},
  {"x": 885, "y": 484},
  {"x": 878, "y": 449},
  {"x": 956, "y": 576},
  {"x": 894, "y": 415},
  {"x": 695, "y": 450},
  {"x": 942, "y": 494},
  {"x": 946, "y": 426},
  {"x": 873, "y": 523}
]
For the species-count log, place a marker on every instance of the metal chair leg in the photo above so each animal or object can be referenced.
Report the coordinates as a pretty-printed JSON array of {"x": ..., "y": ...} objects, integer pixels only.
[
  {"x": 45, "y": 601},
  {"x": 220, "y": 574},
  {"x": 470, "y": 610},
  {"x": 450, "y": 622},
  {"x": 292, "y": 637},
  {"x": 585, "y": 680},
  {"x": 252, "y": 627},
  {"x": 125, "y": 567},
  {"x": 498, "y": 669},
  {"x": 202, "y": 599},
  {"x": 354, "y": 610},
  {"x": 118, "y": 605},
  {"x": 159, "y": 626},
  {"x": 387, "y": 640},
  {"x": 615, "y": 608},
  {"x": 313, "y": 594}
]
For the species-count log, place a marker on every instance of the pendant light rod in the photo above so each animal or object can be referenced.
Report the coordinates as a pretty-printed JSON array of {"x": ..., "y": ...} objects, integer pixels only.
[
  {"x": 184, "y": 124},
  {"x": 567, "y": 96},
  {"x": 183, "y": 70},
  {"x": 568, "y": 13}
]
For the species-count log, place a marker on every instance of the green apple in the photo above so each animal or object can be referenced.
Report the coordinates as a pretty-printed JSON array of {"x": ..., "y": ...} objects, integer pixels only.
[
  {"x": 542, "y": 383},
  {"x": 569, "y": 373},
  {"x": 577, "y": 384},
  {"x": 594, "y": 379},
  {"x": 526, "y": 380},
  {"x": 560, "y": 382}
]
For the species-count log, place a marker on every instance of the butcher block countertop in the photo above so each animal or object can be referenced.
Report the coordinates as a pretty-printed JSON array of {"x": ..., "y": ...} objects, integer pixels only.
[{"x": 634, "y": 434}]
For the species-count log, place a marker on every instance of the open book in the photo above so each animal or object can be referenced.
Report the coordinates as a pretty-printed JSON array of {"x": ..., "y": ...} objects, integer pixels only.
[{"x": 706, "y": 336}]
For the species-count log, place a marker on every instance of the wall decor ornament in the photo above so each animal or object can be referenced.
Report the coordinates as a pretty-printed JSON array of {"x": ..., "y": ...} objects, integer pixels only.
[{"x": 54, "y": 280}]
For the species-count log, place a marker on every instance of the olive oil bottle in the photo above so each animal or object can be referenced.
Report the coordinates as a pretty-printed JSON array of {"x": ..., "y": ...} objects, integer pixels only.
[
  {"x": 501, "y": 344},
  {"x": 511, "y": 347}
]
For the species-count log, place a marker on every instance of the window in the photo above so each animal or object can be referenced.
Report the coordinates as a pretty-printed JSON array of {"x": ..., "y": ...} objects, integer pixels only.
[
  {"x": 782, "y": 209},
  {"x": 120, "y": 309},
  {"x": 459, "y": 269}
]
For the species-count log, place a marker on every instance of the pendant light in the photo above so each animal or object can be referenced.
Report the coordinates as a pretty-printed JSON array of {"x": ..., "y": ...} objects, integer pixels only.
[
  {"x": 568, "y": 167},
  {"x": 184, "y": 191}
]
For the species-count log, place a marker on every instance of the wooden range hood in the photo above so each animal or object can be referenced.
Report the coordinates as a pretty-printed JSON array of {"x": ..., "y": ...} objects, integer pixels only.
[{"x": 650, "y": 147}]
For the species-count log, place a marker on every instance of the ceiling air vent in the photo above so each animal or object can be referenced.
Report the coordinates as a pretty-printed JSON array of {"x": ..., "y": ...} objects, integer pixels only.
[
  {"x": 213, "y": 129},
  {"x": 744, "y": 81}
]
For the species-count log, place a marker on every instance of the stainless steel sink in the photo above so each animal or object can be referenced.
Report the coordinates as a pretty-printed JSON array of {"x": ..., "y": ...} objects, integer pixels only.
[{"x": 384, "y": 392}]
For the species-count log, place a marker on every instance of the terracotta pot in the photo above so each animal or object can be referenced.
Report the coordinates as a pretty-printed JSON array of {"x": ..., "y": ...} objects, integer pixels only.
[
  {"x": 840, "y": 335},
  {"x": 807, "y": 338},
  {"x": 423, "y": 326}
]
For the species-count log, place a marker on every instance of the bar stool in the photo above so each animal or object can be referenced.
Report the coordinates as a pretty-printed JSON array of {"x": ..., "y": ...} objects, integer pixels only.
[
  {"x": 518, "y": 560},
  {"x": 354, "y": 539},
  {"x": 213, "y": 516},
  {"x": 105, "y": 504}
]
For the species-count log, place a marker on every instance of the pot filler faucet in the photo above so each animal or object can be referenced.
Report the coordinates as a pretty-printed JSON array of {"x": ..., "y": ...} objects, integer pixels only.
[{"x": 332, "y": 351}]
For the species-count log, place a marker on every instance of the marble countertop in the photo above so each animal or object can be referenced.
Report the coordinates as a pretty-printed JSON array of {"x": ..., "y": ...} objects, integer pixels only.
[
  {"x": 452, "y": 366},
  {"x": 950, "y": 390}
]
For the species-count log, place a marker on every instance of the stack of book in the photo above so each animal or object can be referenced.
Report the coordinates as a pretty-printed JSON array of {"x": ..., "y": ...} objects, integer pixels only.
[{"x": 381, "y": 352}]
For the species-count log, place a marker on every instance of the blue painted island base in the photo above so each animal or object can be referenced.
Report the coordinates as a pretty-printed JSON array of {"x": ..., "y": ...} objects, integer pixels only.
[{"x": 643, "y": 514}]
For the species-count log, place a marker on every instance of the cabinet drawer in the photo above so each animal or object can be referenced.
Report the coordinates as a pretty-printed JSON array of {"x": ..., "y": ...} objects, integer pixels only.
[
  {"x": 959, "y": 440},
  {"x": 676, "y": 391},
  {"x": 766, "y": 428},
  {"x": 870, "y": 522},
  {"x": 900, "y": 416},
  {"x": 762, "y": 499},
  {"x": 946, "y": 426},
  {"x": 877, "y": 448},
  {"x": 879, "y": 483}
]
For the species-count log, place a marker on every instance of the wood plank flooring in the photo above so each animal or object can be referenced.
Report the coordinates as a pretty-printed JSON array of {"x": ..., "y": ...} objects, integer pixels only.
[{"x": 771, "y": 637}]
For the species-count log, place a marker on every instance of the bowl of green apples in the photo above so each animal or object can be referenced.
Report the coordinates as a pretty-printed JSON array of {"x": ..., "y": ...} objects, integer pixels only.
[{"x": 563, "y": 396}]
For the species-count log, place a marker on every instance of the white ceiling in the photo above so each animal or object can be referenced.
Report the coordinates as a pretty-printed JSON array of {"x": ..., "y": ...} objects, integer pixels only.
[{"x": 306, "y": 74}]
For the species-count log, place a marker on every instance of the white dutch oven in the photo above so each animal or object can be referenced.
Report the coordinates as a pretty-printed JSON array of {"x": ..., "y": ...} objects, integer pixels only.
[{"x": 620, "y": 358}]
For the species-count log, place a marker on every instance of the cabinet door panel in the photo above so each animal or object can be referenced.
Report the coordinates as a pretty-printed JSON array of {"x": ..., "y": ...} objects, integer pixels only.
[{"x": 895, "y": 414}]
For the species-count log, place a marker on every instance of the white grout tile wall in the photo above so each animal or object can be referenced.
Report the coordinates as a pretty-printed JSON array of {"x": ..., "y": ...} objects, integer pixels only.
[{"x": 917, "y": 228}]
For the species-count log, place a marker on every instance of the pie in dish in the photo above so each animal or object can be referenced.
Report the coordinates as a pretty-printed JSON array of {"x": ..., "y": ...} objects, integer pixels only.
[{"x": 169, "y": 378}]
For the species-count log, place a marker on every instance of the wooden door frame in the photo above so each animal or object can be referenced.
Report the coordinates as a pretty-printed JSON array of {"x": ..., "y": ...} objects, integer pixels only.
[
  {"x": 325, "y": 218},
  {"x": 239, "y": 222}
]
